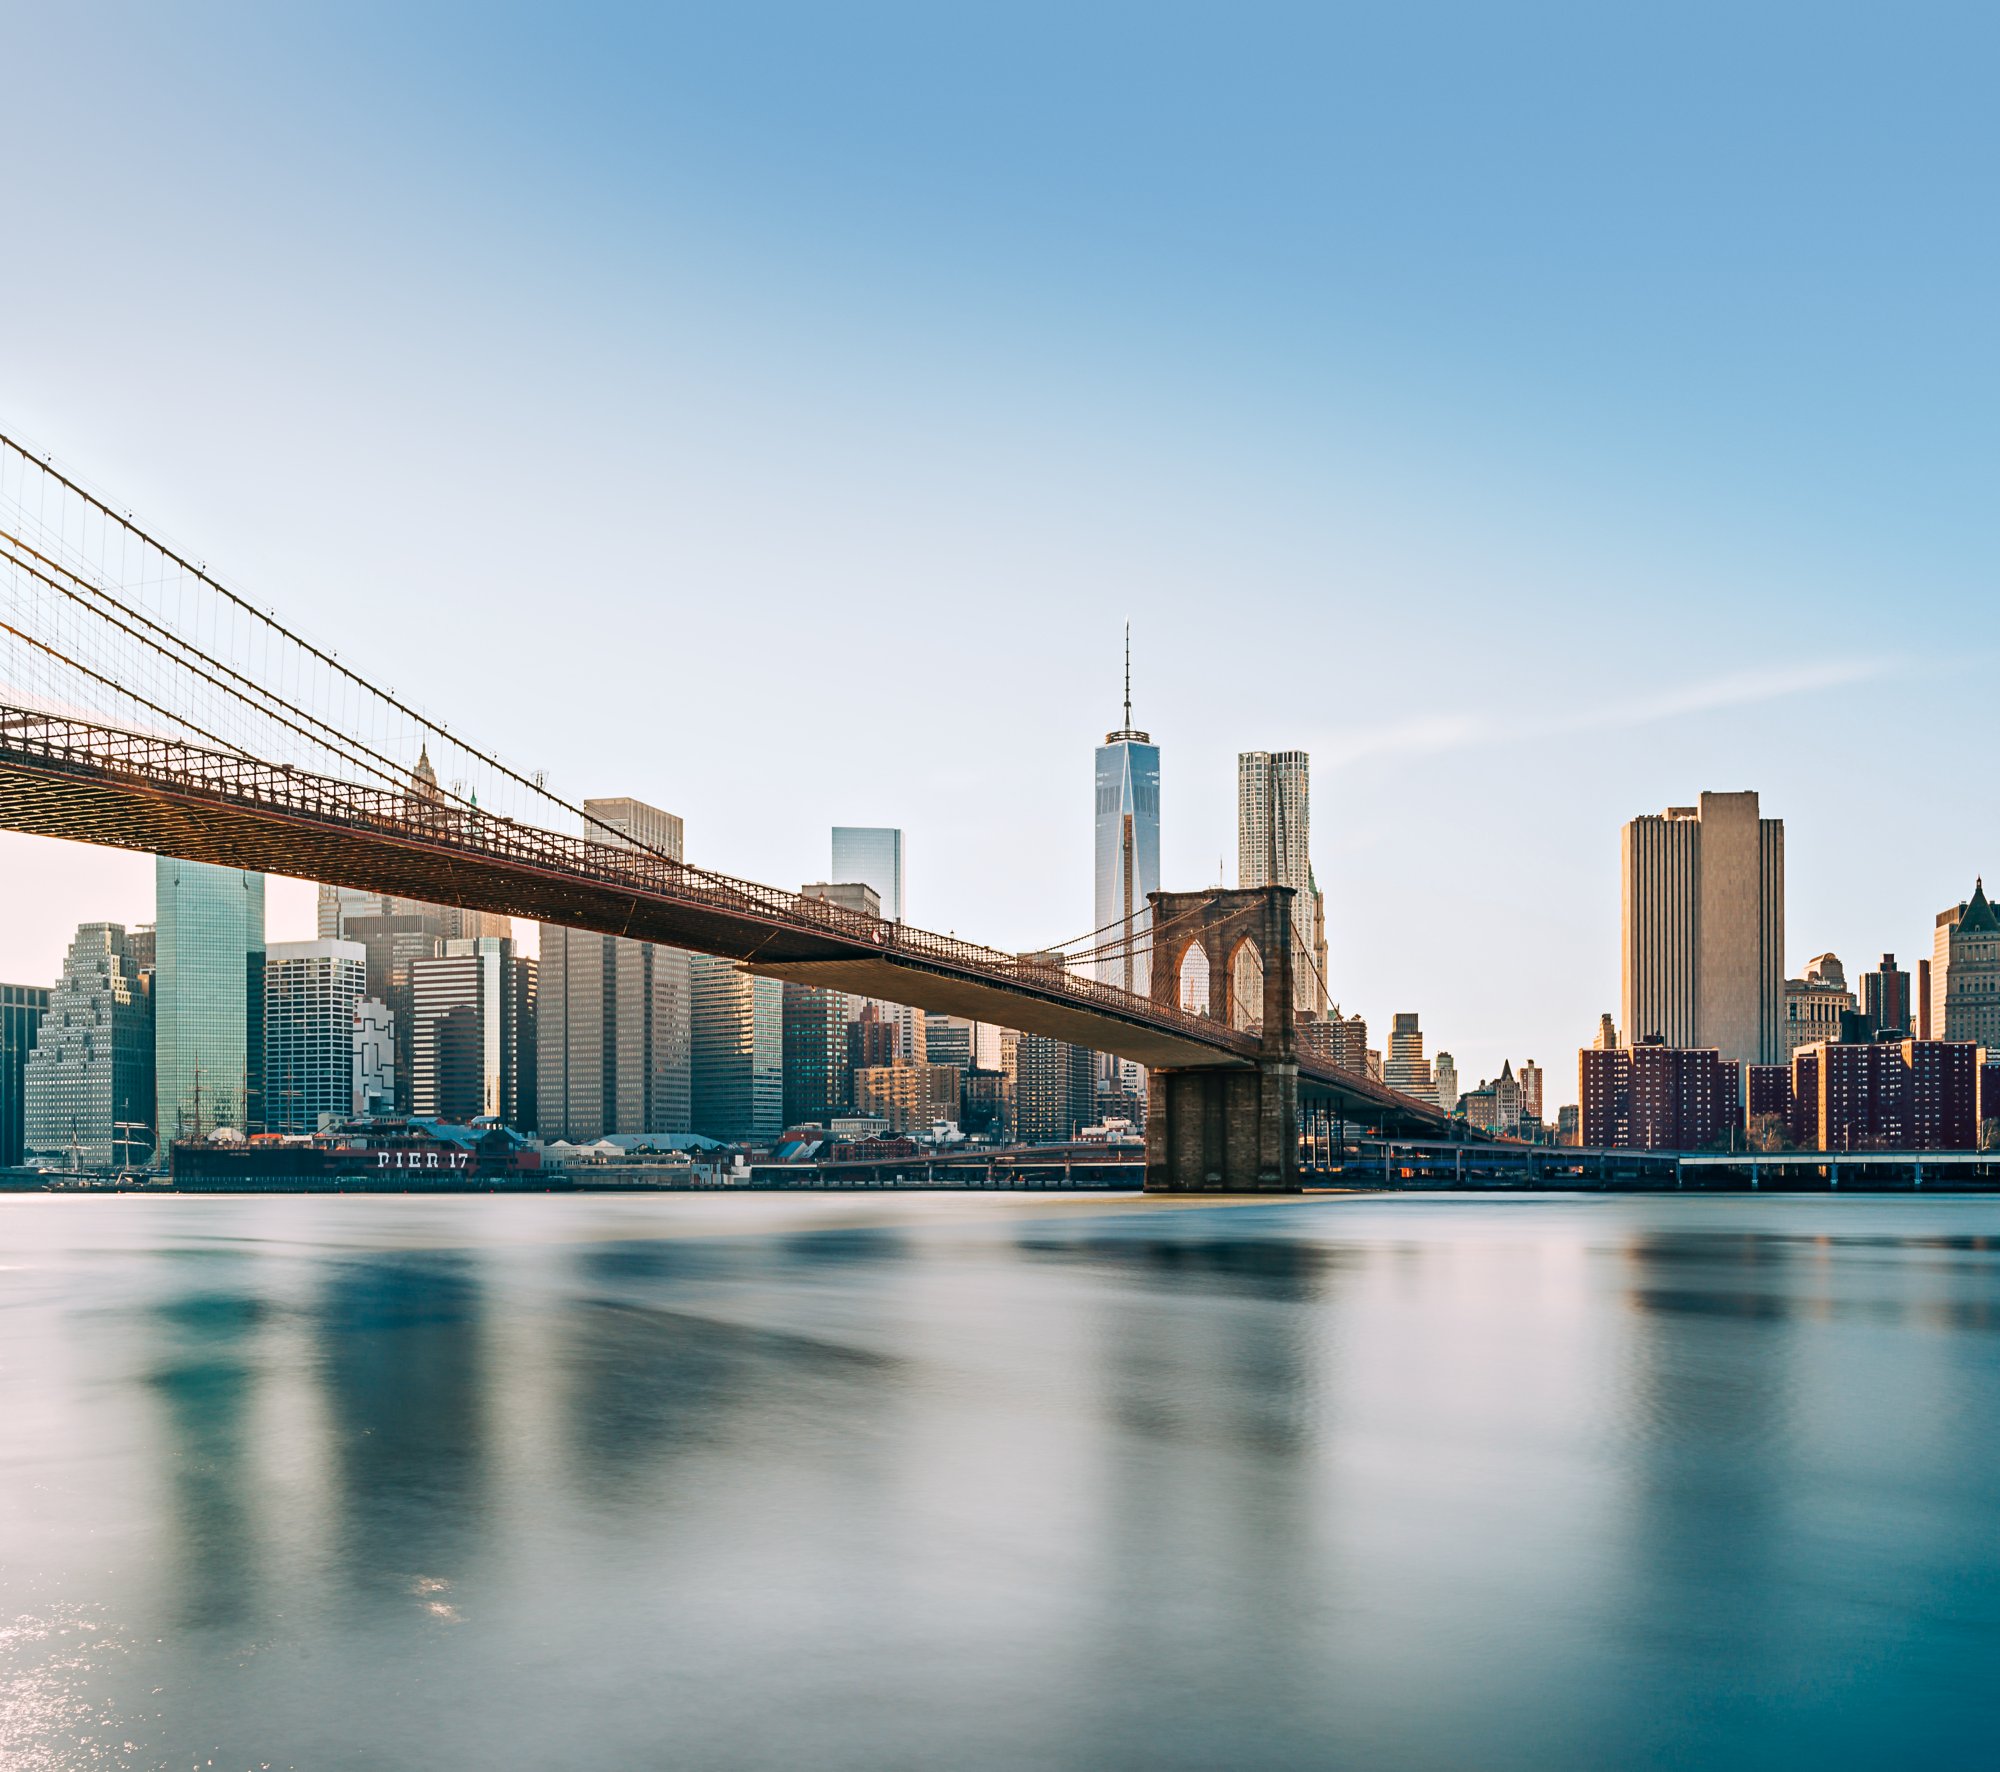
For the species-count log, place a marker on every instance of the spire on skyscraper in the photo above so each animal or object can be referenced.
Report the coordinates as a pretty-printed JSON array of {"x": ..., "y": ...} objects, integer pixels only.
[{"x": 1128, "y": 733}]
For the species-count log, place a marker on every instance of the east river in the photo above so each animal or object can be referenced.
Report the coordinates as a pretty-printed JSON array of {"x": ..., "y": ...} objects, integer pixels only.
[{"x": 1049, "y": 1482}]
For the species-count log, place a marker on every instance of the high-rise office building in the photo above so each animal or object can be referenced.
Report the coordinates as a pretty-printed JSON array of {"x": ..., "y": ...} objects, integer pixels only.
[
  {"x": 872, "y": 854},
  {"x": 818, "y": 1074},
  {"x": 87, "y": 1087},
  {"x": 1703, "y": 929},
  {"x": 739, "y": 1052},
  {"x": 1128, "y": 846},
  {"x": 22, "y": 1007},
  {"x": 473, "y": 1043},
  {"x": 1273, "y": 841},
  {"x": 1885, "y": 998},
  {"x": 1406, "y": 1069},
  {"x": 312, "y": 990},
  {"x": 1965, "y": 972},
  {"x": 208, "y": 1000},
  {"x": 615, "y": 1017},
  {"x": 950, "y": 1039}
]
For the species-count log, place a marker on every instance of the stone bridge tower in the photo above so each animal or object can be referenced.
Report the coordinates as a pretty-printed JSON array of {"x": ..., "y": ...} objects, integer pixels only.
[{"x": 1231, "y": 1129}]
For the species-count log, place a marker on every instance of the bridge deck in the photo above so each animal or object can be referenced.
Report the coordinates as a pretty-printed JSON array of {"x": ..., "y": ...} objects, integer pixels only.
[{"x": 69, "y": 778}]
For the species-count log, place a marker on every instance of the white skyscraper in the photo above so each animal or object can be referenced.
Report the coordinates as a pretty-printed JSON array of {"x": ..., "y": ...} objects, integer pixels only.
[
  {"x": 1273, "y": 848},
  {"x": 311, "y": 992}
]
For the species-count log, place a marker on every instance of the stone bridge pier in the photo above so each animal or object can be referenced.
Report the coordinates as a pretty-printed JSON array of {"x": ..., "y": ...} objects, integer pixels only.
[{"x": 1227, "y": 1129}]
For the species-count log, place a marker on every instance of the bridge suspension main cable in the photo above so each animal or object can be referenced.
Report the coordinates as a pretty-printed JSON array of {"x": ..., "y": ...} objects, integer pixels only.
[{"x": 101, "y": 618}]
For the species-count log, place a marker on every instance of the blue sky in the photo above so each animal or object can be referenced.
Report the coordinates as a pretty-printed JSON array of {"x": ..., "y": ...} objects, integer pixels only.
[{"x": 1539, "y": 414}]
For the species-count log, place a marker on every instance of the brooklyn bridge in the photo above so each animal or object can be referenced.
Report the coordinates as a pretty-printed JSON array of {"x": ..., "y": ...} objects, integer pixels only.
[{"x": 147, "y": 705}]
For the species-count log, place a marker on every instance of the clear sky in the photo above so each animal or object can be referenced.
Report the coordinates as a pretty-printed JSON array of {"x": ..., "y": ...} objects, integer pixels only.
[{"x": 1538, "y": 413}]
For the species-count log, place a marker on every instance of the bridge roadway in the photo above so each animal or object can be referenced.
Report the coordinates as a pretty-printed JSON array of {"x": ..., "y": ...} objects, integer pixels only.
[{"x": 71, "y": 778}]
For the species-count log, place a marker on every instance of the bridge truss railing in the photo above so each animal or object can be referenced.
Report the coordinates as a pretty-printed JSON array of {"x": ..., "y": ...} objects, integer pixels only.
[{"x": 151, "y": 761}]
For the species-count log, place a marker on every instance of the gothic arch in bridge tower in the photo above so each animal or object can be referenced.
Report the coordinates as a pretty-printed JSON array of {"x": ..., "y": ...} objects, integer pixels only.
[
  {"x": 1246, "y": 986},
  {"x": 1194, "y": 973},
  {"x": 1229, "y": 1127}
]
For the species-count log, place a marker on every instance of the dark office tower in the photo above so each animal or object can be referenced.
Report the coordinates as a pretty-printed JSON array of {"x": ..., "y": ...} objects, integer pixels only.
[
  {"x": 1923, "y": 1027},
  {"x": 21, "y": 1009},
  {"x": 87, "y": 1089},
  {"x": 474, "y": 1041},
  {"x": 1885, "y": 997},
  {"x": 739, "y": 1052},
  {"x": 818, "y": 1078},
  {"x": 1054, "y": 1090}
]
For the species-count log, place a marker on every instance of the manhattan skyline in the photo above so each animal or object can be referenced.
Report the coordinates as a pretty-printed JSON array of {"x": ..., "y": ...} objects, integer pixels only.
[{"x": 1552, "y": 538}]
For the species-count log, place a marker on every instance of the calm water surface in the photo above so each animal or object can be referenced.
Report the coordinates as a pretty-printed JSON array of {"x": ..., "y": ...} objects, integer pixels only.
[{"x": 859, "y": 1483}]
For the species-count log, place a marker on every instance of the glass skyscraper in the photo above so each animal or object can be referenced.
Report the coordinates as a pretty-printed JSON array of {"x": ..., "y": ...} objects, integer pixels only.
[
  {"x": 739, "y": 1051},
  {"x": 873, "y": 855},
  {"x": 208, "y": 993},
  {"x": 1128, "y": 848}
]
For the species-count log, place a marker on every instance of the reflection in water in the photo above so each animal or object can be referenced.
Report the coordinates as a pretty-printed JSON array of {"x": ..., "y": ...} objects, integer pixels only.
[
  {"x": 204, "y": 1384},
  {"x": 1401, "y": 1482},
  {"x": 401, "y": 1358}
]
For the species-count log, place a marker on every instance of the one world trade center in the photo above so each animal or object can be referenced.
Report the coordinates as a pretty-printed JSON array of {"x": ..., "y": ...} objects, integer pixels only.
[{"x": 1128, "y": 847}]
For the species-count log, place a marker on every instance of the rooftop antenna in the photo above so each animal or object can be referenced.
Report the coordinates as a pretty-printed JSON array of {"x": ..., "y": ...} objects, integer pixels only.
[
  {"x": 1128, "y": 733},
  {"x": 1128, "y": 673}
]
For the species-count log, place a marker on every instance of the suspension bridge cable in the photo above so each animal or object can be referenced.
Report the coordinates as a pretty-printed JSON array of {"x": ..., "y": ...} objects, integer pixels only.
[
  {"x": 199, "y": 572},
  {"x": 386, "y": 767}
]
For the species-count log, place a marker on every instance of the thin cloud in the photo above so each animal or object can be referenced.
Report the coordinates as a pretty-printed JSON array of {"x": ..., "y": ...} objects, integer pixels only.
[{"x": 1436, "y": 734}]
